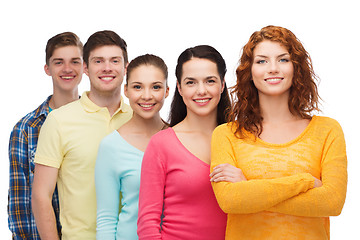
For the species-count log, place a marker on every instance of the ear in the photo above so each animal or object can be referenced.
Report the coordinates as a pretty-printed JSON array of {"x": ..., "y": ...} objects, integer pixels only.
[
  {"x": 86, "y": 70},
  {"x": 126, "y": 90},
  {"x": 222, "y": 85},
  {"x": 47, "y": 70},
  {"x": 167, "y": 92},
  {"x": 178, "y": 87}
]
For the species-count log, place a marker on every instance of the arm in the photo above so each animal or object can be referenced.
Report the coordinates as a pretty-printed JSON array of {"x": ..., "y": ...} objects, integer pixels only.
[
  {"x": 43, "y": 189},
  {"x": 251, "y": 196},
  {"x": 151, "y": 198},
  {"x": 19, "y": 191},
  {"x": 107, "y": 193},
  {"x": 329, "y": 199}
]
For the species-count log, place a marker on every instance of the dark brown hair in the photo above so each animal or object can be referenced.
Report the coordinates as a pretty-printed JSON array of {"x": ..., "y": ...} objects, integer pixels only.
[
  {"x": 178, "y": 110},
  {"x": 147, "y": 59},
  {"x": 61, "y": 40},
  {"x": 104, "y": 38}
]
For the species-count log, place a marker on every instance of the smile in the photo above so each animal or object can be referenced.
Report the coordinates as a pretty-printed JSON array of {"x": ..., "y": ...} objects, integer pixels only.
[
  {"x": 107, "y": 78},
  {"x": 202, "y": 100},
  {"x": 67, "y": 77},
  {"x": 273, "y": 80}
]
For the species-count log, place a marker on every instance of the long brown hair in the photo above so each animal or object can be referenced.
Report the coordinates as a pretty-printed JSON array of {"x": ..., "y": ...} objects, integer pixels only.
[{"x": 304, "y": 97}]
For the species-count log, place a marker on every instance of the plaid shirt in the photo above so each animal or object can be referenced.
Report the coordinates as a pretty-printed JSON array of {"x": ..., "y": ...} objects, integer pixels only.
[{"x": 22, "y": 147}]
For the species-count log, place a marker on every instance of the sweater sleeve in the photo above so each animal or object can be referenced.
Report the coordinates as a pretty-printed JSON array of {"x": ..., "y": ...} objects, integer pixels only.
[
  {"x": 151, "y": 196},
  {"x": 329, "y": 199},
  {"x": 253, "y": 195},
  {"x": 107, "y": 186}
]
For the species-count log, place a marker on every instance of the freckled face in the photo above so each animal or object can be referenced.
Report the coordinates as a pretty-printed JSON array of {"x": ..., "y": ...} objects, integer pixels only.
[{"x": 272, "y": 69}]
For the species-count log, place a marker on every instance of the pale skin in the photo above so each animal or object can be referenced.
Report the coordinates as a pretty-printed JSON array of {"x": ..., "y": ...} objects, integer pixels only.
[
  {"x": 272, "y": 73},
  {"x": 147, "y": 85},
  {"x": 103, "y": 61},
  {"x": 200, "y": 80}
]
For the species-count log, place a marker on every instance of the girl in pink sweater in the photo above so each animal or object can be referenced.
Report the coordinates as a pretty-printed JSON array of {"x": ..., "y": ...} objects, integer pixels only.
[{"x": 176, "y": 199}]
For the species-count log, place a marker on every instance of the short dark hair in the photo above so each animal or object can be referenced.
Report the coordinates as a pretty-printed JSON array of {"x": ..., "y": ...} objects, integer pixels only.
[
  {"x": 104, "y": 38},
  {"x": 178, "y": 110},
  {"x": 61, "y": 40},
  {"x": 147, "y": 59}
]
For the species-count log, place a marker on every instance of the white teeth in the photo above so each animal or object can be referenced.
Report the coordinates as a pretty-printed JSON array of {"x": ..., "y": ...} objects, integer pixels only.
[
  {"x": 67, "y": 77},
  {"x": 146, "y": 105},
  {"x": 273, "y": 80},
  {"x": 107, "y": 78},
  {"x": 202, "y": 100}
]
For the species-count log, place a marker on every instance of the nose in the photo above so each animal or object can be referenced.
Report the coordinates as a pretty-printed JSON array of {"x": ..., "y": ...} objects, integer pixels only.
[
  {"x": 273, "y": 67},
  {"x": 146, "y": 94},
  {"x": 201, "y": 89},
  {"x": 107, "y": 67},
  {"x": 67, "y": 68}
]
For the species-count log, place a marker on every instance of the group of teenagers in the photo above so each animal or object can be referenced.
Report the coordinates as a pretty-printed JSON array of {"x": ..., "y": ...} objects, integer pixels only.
[{"x": 249, "y": 162}]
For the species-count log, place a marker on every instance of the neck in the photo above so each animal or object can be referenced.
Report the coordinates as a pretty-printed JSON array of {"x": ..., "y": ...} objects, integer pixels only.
[
  {"x": 146, "y": 127},
  {"x": 109, "y": 100},
  {"x": 60, "y": 98},
  {"x": 275, "y": 109},
  {"x": 194, "y": 122}
]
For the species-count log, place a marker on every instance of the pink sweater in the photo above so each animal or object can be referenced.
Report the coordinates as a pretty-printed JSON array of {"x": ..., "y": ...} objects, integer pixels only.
[{"x": 177, "y": 183}]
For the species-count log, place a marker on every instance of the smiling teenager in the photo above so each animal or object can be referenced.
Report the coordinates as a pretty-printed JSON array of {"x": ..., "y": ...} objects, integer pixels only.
[
  {"x": 118, "y": 165},
  {"x": 64, "y": 65},
  {"x": 293, "y": 163},
  {"x": 176, "y": 200},
  {"x": 69, "y": 141}
]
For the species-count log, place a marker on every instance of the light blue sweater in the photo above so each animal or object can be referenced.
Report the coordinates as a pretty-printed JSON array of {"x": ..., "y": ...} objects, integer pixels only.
[{"x": 117, "y": 174}]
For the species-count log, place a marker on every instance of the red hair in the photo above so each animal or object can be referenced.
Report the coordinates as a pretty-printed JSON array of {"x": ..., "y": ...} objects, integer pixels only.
[{"x": 304, "y": 97}]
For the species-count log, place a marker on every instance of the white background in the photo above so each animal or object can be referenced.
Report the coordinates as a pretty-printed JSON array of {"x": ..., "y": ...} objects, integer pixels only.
[{"x": 329, "y": 31}]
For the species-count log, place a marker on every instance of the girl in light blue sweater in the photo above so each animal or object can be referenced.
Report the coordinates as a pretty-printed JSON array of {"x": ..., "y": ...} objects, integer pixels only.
[{"x": 118, "y": 165}]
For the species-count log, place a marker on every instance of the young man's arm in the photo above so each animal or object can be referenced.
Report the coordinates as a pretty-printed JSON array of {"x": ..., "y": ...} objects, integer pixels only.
[{"x": 43, "y": 188}]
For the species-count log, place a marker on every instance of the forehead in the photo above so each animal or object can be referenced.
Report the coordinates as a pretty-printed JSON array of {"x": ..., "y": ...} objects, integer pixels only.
[
  {"x": 67, "y": 52},
  {"x": 199, "y": 67},
  {"x": 107, "y": 51},
  {"x": 268, "y": 48}
]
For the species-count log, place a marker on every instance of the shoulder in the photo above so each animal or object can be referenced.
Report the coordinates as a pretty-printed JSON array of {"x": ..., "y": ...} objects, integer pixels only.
[
  {"x": 110, "y": 141},
  {"x": 34, "y": 118},
  {"x": 326, "y": 123},
  {"x": 227, "y": 129}
]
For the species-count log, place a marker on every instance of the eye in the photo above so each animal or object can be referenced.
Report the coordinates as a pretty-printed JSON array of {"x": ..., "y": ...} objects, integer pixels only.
[
  {"x": 76, "y": 62},
  {"x": 58, "y": 63},
  {"x": 189, "y": 82},
  {"x": 156, "y": 87},
  {"x": 137, "y": 87},
  {"x": 261, "y": 61},
  {"x": 284, "y": 60}
]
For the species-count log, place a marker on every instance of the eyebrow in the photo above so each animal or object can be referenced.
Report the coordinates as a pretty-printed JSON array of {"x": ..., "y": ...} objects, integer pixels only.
[
  {"x": 281, "y": 55},
  {"x": 61, "y": 59},
  {"x": 158, "y": 82},
  {"x": 192, "y": 78}
]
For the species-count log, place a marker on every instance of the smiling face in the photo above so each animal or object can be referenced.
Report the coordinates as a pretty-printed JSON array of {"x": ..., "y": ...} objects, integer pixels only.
[
  {"x": 200, "y": 87},
  {"x": 272, "y": 69},
  {"x": 146, "y": 90},
  {"x": 106, "y": 70},
  {"x": 66, "y": 68}
]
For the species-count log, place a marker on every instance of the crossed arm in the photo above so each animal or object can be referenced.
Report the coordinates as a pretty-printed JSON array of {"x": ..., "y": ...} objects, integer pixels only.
[{"x": 300, "y": 194}]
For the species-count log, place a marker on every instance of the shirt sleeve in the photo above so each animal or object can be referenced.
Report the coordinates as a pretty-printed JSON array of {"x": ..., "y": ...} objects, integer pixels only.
[
  {"x": 19, "y": 208},
  {"x": 49, "y": 150},
  {"x": 151, "y": 196},
  {"x": 327, "y": 200},
  {"x": 107, "y": 192},
  {"x": 253, "y": 195}
]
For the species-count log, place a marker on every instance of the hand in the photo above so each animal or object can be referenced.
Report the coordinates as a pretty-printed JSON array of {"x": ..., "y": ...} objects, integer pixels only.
[
  {"x": 227, "y": 173},
  {"x": 317, "y": 182}
]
